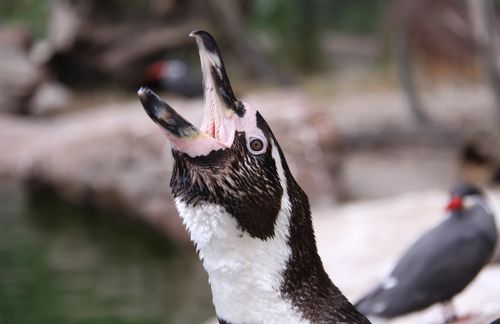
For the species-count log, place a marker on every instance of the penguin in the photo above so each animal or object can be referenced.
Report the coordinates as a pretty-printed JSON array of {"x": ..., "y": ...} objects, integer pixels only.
[
  {"x": 441, "y": 263},
  {"x": 246, "y": 214}
]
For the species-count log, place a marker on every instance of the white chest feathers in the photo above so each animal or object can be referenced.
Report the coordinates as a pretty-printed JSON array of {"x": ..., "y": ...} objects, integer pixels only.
[{"x": 245, "y": 273}]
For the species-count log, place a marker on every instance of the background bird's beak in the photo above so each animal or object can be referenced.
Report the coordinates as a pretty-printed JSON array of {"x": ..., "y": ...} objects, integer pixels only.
[{"x": 455, "y": 203}]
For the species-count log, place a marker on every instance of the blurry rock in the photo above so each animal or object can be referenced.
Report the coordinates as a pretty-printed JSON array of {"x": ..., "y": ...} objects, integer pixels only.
[
  {"x": 14, "y": 37},
  {"x": 41, "y": 52},
  {"x": 116, "y": 158},
  {"x": 19, "y": 76},
  {"x": 50, "y": 98}
]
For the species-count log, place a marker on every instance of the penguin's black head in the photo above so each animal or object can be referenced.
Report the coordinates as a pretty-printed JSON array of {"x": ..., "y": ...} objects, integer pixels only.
[
  {"x": 460, "y": 195},
  {"x": 233, "y": 159}
]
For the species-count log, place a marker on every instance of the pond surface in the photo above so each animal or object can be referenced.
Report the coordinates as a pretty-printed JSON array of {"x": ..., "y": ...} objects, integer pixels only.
[{"x": 64, "y": 264}]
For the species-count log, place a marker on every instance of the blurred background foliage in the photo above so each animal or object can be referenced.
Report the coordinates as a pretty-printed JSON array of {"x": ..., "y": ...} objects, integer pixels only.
[
  {"x": 31, "y": 13},
  {"x": 293, "y": 27}
]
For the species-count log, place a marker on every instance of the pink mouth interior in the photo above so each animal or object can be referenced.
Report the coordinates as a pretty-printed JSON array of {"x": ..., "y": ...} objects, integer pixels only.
[
  {"x": 210, "y": 124},
  {"x": 212, "y": 130},
  {"x": 218, "y": 125}
]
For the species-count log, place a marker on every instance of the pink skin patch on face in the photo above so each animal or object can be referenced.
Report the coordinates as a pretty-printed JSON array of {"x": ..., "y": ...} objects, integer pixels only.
[
  {"x": 197, "y": 145},
  {"x": 454, "y": 204},
  {"x": 218, "y": 133}
]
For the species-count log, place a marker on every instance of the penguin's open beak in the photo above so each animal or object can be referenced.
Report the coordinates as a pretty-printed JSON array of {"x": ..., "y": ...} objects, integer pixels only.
[
  {"x": 221, "y": 111},
  {"x": 217, "y": 88},
  {"x": 165, "y": 116}
]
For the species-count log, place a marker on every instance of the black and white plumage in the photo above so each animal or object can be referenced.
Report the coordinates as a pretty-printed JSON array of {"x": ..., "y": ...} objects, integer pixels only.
[
  {"x": 441, "y": 263},
  {"x": 245, "y": 212}
]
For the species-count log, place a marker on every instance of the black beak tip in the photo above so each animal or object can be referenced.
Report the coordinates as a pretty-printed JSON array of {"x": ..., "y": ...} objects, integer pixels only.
[
  {"x": 206, "y": 39},
  {"x": 147, "y": 96},
  {"x": 145, "y": 93},
  {"x": 151, "y": 102},
  {"x": 198, "y": 33}
]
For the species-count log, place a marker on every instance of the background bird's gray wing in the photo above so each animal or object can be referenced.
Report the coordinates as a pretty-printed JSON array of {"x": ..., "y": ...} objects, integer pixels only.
[{"x": 435, "y": 268}]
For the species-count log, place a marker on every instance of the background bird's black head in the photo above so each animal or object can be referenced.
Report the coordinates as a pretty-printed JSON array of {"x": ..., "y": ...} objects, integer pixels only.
[
  {"x": 464, "y": 190},
  {"x": 460, "y": 197}
]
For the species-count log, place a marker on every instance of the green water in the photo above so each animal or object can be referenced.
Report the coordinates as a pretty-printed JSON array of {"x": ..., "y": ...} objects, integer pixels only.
[{"x": 63, "y": 264}]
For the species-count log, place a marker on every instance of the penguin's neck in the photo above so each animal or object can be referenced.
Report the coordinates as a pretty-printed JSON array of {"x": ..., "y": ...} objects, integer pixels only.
[
  {"x": 273, "y": 279},
  {"x": 255, "y": 280},
  {"x": 305, "y": 281},
  {"x": 245, "y": 272}
]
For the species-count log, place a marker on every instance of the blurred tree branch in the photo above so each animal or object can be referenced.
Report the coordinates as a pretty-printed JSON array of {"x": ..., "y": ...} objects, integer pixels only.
[
  {"x": 230, "y": 21},
  {"x": 404, "y": 66},
  {"x": 481, "y": 16},
  {"x": 444, "y": 34}
]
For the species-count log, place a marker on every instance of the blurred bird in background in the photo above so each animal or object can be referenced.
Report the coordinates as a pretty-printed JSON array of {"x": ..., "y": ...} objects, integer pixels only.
[
  {"x": 441, "y": 263},
  {"x": 176, "y": 76}
]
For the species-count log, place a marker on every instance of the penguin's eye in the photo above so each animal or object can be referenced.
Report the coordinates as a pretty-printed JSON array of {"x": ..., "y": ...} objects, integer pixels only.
[{"x": 256, "y": 146}]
